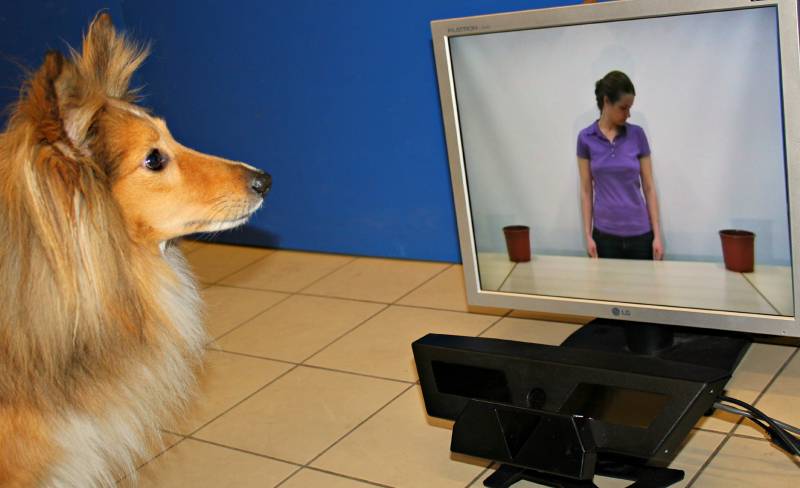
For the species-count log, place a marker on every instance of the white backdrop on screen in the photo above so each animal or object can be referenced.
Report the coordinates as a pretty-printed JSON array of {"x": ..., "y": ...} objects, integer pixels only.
[{"x": 707, "y": 96}]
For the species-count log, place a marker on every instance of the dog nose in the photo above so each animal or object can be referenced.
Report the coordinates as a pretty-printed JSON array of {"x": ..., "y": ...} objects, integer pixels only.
[{"x": 261, "y": 183}]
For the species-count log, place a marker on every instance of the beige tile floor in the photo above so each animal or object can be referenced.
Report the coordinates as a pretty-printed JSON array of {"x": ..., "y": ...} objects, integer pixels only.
[{"x": 309, "y": 381}]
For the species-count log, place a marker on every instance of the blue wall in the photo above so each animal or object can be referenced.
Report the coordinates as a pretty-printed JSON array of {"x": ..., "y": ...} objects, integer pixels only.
[
  {"x": 337, "y": 99},
  {"x": 29, "y": 29}
]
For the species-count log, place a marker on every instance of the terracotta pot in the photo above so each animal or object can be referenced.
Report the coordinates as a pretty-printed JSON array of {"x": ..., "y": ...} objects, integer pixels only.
[
  {"x": 738, "y": 249},
  {"x": 518, "y": 242}
]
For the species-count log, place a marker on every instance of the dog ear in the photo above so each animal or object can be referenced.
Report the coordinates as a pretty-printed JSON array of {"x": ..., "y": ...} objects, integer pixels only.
[
  {"x": 109, "y": 59},
  {"x": 63, "y": 96},
  {"x": 103, "y": 69},
  {"x": 40, "y": 101}
]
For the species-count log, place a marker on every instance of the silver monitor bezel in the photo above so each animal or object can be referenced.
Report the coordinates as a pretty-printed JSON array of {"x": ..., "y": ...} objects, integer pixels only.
[{"x": 443, "y": 30}]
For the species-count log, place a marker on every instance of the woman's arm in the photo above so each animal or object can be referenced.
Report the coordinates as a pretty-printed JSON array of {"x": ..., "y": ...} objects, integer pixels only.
[
  {"x": 649, "y": 190},
  {"x": 587, "y": 200}
]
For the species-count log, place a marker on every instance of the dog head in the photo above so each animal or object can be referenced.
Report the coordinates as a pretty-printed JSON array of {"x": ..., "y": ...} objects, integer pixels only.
[{"x": 86, "y": 119}]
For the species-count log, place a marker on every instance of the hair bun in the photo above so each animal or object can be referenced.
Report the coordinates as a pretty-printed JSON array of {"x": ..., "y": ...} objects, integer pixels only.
[{"x": 613, "y": 85}]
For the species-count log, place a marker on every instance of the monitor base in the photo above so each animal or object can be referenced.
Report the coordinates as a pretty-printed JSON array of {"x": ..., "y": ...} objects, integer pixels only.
[
  {"x": 701, "y": 347},
  {"x": 642, "y": 476},
  {"x": 509, "y": 399}
]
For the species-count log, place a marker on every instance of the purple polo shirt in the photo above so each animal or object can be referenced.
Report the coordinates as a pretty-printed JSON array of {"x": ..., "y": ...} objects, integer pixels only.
[{"x": 619, "y": 205}]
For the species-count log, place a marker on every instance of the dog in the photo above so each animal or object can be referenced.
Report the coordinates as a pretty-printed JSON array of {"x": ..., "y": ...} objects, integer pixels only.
[{"x": 100, "y": 318}]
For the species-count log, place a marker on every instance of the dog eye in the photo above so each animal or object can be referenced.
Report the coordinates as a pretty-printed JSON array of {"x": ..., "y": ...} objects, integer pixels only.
[{"x": 155, "y": 161}]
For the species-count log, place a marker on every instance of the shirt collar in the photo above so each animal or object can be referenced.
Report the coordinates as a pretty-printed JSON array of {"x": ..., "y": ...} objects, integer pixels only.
[{"x": 595, "y": 129}]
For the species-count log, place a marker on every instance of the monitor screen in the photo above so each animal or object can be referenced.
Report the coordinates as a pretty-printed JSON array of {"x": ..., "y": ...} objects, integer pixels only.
[{"x": 702, "y": 146}]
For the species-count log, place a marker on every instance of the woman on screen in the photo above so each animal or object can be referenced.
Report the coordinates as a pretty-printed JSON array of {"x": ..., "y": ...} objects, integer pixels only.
[{"x": 618, "y": 195}]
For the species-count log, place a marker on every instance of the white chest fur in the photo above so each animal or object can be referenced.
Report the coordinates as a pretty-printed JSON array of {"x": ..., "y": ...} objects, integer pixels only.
[{"x": 99, "y": 446}]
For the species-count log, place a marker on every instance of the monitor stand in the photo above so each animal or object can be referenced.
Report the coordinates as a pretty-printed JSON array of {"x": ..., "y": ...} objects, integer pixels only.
[
  {"x": 702, "y": 347},
  {"x": 642, "y": 476}
]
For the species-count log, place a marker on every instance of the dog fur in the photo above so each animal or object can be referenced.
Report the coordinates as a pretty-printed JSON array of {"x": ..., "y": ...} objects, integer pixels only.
[{"x": 100, "y": 319}]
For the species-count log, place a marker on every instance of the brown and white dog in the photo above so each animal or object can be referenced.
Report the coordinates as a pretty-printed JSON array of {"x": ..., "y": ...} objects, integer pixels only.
[{"x": 100, "y": 320}]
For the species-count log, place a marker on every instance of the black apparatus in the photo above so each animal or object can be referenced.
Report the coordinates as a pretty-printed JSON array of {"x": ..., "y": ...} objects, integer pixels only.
[{"x": 614, "y": 399}]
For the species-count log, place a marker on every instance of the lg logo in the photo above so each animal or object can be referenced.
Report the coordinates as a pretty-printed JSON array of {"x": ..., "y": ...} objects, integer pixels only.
[{"x": 620, "y": 312}]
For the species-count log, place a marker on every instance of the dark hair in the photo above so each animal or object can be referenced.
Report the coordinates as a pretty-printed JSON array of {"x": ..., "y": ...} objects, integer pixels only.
[{"x": 613, "y": 85}]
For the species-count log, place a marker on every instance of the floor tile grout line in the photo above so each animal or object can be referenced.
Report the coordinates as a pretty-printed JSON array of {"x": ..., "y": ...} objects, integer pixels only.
[
  {"x": 361, "y": 300},
  {"x": 142, "y": 465},
  {"x": 499, "y": 318},
  {"x": 353, "y": 259},
  {"x": 425, "y": 282},
  {"x": 313, "y": 366},
  {"x": 294, "y": 367},
  {"x": 356, "y": 373},
  {"x": 206, "y": 424},
  {"x": 252, "y": 318},
  {"x": 423, "y": 307},
  {"x": 297, "y": 293},
  {"x": 744, "y": 436},
  {"x": 480, "y": 475},
  {"x": 393, "y": 302},
  {"x": 299, "y": 466},
  {"x": 386, "y": 307},
  {"x": 307, "y": 464},
  {"x": 752, "y": 437},
  {"x": 252, "y": 288},
  {"x": 304, "y": 362},
  {"x": 376, "y": 412},
  {"x": 290, "y": 476},
  {"x": 326, "y": 471},
  {"x": 257, "y": 260},
  {"x": 254, "y": 356},
  {"x": 336, "y": 269},
  {"x": 727, "y": 436},
  {"x": 767, "y": 387},
  {"x": 304, "y": 294},
  {"x": 170, "y": 432},
  {"x": 271, "y": 251},
  {"x": 775, "y": 377},
  {"x": 710, "y": 458},
  {"x": 333, "y": 473},
  {"x": 300, "y": 293},
  {"x": 730, "y": 434},
  {"x": 337, "y": 339},
  {"x": 245, "y": 451}
]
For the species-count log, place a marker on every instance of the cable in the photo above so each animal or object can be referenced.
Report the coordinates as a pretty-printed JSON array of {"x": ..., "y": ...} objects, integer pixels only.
[
  {"x": 745, "y": 413},
  {"x": 771, "y": 432},
  {"x": 778, "y": 435}
]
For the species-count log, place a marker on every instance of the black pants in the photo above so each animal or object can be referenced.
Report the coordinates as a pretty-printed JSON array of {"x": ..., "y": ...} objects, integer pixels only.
[{"x": 634, "y": 247}]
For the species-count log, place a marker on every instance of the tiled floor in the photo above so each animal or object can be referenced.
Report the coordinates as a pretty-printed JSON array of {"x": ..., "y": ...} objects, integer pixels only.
[{"x": 310, "y": 381}]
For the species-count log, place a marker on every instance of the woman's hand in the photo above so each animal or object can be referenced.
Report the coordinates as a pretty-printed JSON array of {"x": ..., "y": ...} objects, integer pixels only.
[
  {"x": 658, "y": 249},
  {"x": 591, "y": 247}
]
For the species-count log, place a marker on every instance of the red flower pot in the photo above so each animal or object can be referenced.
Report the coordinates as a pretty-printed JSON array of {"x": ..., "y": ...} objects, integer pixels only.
[
  {"x": 738, "y": 249},
  {"x": 518, "y": 242}
]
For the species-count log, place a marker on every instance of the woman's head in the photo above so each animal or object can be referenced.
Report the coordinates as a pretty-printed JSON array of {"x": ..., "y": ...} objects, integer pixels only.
[{"x": 614, "y": 93}]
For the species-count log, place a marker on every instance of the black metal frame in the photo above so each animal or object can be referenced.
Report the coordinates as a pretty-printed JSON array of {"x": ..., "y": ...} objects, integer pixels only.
[{"x": 513, "y": 402}]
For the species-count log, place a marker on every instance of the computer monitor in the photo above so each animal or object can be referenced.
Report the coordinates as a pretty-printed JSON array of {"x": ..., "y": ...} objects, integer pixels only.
[{"x": 717, "y": 99}]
